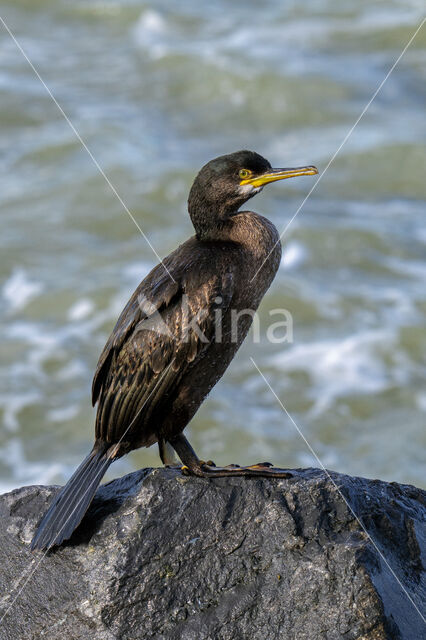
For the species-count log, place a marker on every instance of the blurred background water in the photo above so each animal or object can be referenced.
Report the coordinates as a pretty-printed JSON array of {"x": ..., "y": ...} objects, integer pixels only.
[{"x": 156, "y": 90}]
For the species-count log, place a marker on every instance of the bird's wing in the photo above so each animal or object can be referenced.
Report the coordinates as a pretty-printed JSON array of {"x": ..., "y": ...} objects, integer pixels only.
[
  {"x": 140, "y": 307},
  {"x": 163, "y": 329}
]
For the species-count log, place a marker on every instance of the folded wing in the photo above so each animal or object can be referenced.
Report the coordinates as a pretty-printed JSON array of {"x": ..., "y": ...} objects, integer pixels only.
[{"x": 164, "y": 328}]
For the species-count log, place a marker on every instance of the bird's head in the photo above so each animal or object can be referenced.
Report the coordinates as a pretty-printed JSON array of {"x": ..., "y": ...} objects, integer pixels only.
[{"x": 225, "y": 183}]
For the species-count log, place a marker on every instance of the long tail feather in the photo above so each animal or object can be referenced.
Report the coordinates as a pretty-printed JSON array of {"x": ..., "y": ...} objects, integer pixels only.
[{"x": 71, "y": 503}]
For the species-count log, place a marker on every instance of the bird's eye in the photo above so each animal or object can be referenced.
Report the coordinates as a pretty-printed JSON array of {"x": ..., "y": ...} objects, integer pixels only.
[{"x": 244, "y": 173}]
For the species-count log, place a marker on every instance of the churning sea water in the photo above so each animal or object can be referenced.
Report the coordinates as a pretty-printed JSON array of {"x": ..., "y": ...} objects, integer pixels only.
[{"x": 156, "y": 90}]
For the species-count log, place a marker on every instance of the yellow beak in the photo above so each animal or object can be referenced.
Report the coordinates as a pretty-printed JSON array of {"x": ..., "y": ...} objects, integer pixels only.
[{"x": 279, "y": 174}]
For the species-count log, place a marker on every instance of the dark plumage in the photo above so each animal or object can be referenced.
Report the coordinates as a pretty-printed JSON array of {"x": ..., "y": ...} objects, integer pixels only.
[{"x": 168, "y": 349}]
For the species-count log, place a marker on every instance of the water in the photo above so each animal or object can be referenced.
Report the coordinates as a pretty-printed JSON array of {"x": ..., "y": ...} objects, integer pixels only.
[{"x": 156, "y": 90}]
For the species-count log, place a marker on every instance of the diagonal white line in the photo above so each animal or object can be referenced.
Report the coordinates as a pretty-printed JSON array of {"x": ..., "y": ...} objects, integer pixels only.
[
  {"x": 162, "y": 376},
  {"x": 345, "y": 139},
  {"x": 84, "y": 145},
  {"x": 339, "y": 491}
]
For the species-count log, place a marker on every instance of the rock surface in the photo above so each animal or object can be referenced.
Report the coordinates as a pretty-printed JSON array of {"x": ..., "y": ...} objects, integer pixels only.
[{"x": 160, "y": 555}]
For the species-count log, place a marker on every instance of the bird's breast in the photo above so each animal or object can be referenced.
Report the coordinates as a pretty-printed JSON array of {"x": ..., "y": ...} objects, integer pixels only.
[{"x": 260, "y": 247}]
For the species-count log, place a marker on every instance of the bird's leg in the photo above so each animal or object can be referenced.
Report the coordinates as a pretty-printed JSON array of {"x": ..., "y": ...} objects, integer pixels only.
[
  {"x": 167, "y": 453},
  {"x": 192, "y": 465}
]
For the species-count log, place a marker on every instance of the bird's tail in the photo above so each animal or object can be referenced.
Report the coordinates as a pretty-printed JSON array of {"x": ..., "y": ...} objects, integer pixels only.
[{"x": 71, "y": 503}]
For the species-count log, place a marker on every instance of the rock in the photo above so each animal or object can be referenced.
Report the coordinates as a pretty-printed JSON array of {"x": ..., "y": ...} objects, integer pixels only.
[{"x": 164, "y": 556}]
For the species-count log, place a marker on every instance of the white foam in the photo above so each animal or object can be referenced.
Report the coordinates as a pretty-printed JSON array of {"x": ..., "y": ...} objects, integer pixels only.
[
  {"x": 408, "y": 267},
  {"x": 26, "y": 472},
  {"x": 73, "y": 369},
  {"x": 63, "y": 414},
  {"x": 14, "y": 403},
  {"x": 152, "y": 21},
  {"x": 341, "y": 367},
  {"x": 294, "y": 254},
  {"x": 32, "y": 333},
  {"x": 136, "y": 271},
  {"x": 151, "y": 32},
  {"x": 80, "y": 309},
  {"x": 18, "y": 290},
  {"x": 421, "y": 401},
  {"x": 44, "y": 343}
]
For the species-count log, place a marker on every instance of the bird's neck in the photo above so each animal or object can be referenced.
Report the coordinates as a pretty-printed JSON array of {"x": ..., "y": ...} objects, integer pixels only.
[
  {"x": 209, "y": 220},
  {"x": 256, "y": 235}
]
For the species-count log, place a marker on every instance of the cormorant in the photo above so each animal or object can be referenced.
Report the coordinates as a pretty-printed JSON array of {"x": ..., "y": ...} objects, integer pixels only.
[{"x": 176, "y": 336}]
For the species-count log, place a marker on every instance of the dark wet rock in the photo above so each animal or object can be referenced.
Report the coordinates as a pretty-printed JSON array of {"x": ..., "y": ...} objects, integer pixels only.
[{"x": 161, "y": 555}]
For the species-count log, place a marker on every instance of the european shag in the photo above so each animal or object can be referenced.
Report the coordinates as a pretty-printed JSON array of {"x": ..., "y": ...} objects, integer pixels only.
[{"x": 176, "y": 336}]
